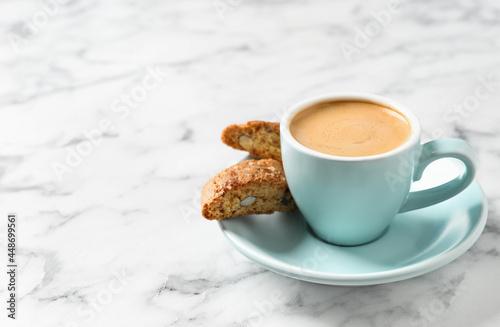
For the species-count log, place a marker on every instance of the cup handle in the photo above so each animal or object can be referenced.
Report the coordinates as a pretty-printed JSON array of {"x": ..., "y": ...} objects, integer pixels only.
[{"x": 434, "y": 150}]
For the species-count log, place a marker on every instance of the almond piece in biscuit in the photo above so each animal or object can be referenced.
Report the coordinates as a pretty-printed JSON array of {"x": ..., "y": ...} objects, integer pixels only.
[
  {"x": 260, "y": 138},
  {"x": 247, "y": 188}
]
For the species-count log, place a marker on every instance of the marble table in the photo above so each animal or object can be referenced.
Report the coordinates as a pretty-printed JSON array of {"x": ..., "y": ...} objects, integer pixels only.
[{"x": 110, "y": 118}]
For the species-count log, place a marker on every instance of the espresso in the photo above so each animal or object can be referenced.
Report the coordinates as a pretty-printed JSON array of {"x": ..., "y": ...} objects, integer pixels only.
[{"x": 350, "y": 128}]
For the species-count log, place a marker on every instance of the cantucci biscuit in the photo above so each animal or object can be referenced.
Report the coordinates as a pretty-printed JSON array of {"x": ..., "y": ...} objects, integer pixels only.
[
  {"x": 249, "y": 187},
  {"x": 260, "y": 138}
]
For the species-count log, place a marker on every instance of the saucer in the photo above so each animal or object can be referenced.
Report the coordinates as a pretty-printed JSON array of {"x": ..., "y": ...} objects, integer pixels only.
[{"x": 415, "y": 243}]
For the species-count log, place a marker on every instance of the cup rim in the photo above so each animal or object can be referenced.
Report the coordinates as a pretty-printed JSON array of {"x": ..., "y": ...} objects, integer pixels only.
[{"x": 351, "y": 96}]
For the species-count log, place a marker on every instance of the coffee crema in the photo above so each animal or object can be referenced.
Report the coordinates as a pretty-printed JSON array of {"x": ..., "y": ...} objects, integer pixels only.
[{"x": 350, "y": 128}]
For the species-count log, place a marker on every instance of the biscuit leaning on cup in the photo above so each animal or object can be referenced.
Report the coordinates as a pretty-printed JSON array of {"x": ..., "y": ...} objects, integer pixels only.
[{"x": 259, "y": 138}]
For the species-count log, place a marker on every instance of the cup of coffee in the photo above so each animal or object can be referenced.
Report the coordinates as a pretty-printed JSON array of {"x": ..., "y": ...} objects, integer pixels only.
[{"x": 350, "y": 160}]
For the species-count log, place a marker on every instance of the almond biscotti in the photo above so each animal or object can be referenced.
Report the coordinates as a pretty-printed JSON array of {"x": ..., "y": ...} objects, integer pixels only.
[
  {"x": 260, "y": 138},
  {"x": 249, "y": 187}
]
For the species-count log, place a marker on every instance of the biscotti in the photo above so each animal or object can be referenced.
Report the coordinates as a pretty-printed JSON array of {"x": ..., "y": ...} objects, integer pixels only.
[
  {"x": 260, "y": 138},
  {"x": 249, "y": 187}
]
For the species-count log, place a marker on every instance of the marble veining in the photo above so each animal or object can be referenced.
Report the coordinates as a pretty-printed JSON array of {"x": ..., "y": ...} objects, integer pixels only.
[{"x": 111, "y": 113}]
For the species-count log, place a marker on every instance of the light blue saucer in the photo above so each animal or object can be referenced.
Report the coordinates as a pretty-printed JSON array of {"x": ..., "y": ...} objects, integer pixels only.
[{"x": 415, "y": 243}]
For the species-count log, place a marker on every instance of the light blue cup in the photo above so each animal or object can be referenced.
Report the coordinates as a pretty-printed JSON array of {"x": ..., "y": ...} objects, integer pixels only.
[{"x": 352, "y": 200}]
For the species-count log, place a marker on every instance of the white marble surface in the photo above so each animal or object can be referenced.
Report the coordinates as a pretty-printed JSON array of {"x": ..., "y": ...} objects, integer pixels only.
[{"x": 118, "y": 240}]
